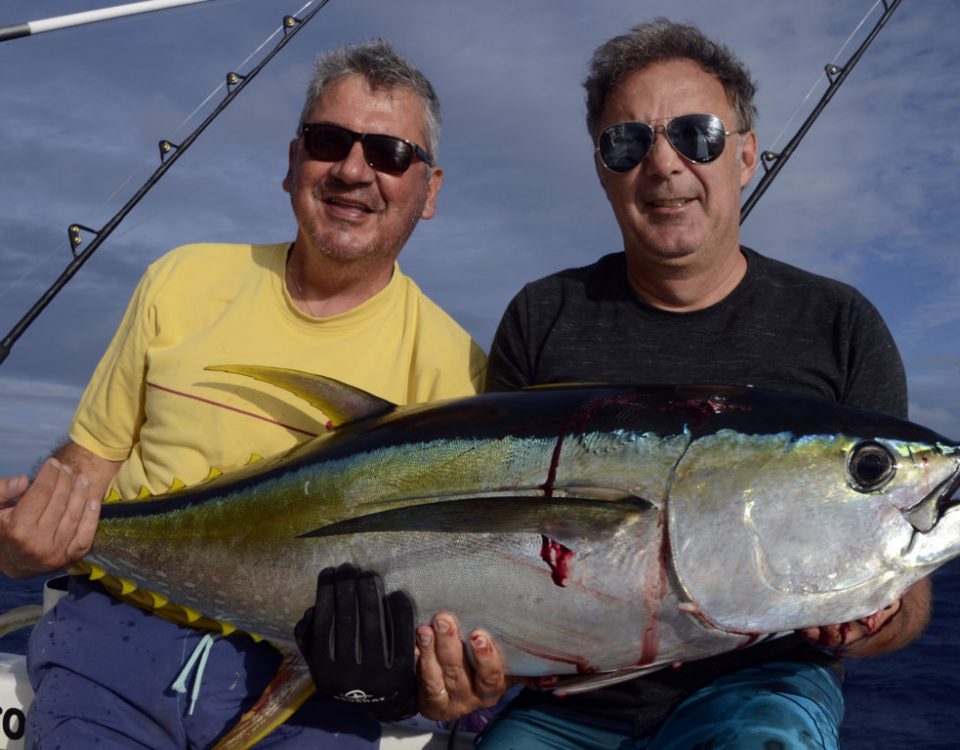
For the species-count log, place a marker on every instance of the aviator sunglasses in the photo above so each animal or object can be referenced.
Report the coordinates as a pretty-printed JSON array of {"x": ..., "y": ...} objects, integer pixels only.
[
  {"x": 697, "y": 138},
  {"x": 385, "y": 153}
]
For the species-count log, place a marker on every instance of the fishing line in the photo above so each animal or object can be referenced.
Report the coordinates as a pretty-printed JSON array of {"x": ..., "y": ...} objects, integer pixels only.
[
  {"x": 129, "y": 229},
  {"x": 169, "y": 153},
  {"x": 816, "y": 84},
  {"x": 58, "y": 247},
  {"x": 837, "y": 75},
  {"x": 249, "y": 57}
]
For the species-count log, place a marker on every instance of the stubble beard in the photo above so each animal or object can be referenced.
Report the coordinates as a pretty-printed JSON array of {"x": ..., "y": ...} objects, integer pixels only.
[{"x": 380, "y": 248}]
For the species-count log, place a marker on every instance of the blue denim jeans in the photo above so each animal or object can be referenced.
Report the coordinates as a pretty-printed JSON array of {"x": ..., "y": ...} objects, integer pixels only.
[{"x": 788, "y": 705}]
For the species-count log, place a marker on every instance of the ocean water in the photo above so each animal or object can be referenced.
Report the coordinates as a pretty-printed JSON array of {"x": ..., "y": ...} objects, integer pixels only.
[{"x": 909, "y": 700}]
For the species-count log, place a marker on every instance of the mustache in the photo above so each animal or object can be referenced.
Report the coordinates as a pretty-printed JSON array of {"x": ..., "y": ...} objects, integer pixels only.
[{"x": 333, "y": 187}]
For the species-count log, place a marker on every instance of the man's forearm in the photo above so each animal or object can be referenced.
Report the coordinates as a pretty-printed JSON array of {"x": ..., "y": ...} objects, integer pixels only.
[
  {"x": 98, "y": 471},
  {"x": 902, "y": 628}
]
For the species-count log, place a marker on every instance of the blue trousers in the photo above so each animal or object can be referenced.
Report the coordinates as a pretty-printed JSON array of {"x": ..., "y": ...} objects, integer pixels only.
[
  {"x": 777, "y": 706},
  {"x": 102, "y": 671}
]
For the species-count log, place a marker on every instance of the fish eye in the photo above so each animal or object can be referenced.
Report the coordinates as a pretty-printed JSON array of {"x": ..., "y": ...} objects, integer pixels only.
[{"x": 870, "y": 467}]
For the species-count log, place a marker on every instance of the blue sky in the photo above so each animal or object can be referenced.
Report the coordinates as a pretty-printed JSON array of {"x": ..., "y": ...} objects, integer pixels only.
[{"x": 869, "y": 197}]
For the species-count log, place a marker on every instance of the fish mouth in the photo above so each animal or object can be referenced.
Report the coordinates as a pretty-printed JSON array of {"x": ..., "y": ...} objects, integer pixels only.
[{"x": 927, "y": 513}]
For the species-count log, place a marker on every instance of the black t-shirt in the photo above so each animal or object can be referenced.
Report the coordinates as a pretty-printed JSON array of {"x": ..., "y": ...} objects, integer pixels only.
[{"x": 781, "y": 328}]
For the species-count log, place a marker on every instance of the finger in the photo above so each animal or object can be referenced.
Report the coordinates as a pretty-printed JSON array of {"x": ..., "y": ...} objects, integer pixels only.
[
  {"x": 36, "y": 497},
  {"x": 830, "y": 635},
  {"x": 86, "y": 529},
  {"x": 489, "y": 679},
  {"x": 345, "y": 643},
  {"x": 12, "y": 487},
  {"x": 457, "y": 672},
  {"x": 56, "y": 507},
  {"x": 402, "y": 618},
  {"x": 372, "y": 626},
  {"x": 71, "y": 511},
  {"x": 323, "y": 611},
  {"x": 873, "y": 623},
  {"x": 431, "y": 690},
  {"x": 821, "y": 636}
]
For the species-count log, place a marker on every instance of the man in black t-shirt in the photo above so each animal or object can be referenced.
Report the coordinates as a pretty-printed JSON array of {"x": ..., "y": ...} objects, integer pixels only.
[{"x": 671, "y": 115}]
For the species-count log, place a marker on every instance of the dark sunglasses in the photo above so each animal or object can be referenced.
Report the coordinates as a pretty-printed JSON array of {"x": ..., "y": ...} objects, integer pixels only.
[
  {"x": 697, "y": 138},
  {"x": 385, "y": 153}
]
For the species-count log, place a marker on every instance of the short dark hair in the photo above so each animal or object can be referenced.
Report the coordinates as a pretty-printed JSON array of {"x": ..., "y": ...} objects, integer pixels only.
[
  {"x": 383, "y": 67},
  {"x": 657, "y": 41}
]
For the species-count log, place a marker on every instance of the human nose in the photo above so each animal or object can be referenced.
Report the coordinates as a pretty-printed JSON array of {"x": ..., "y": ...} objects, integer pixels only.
[
  {"x": 663, "y": 158},
  {"x": 353, "y": 167}
]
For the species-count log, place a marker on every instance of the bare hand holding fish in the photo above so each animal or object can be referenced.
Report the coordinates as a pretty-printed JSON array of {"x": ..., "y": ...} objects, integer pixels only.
[{"x": 52, "y": 523}]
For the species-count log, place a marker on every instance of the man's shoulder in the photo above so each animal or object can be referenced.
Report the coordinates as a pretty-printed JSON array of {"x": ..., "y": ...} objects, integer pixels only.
[
  {"x": 445, "y": 346},
  {"x": 787, "y": 277},
  {"x": 431, "y": 316},
  {"x": 603, "y": 271},
  {"x": 215, "y": 253},
  {"x": 211, "y": 264}
]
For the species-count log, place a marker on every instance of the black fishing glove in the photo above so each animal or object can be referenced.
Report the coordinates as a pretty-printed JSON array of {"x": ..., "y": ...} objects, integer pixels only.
[{"x": 359, "y": 643}]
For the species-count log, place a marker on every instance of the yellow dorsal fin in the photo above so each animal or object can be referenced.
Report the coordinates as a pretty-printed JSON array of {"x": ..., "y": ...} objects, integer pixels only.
[
  {"x": 254, "y": 457},
  {"x": 176, "y": 485},
  {"x": 144, "y": 493},
  {"x": 342, "y": 403},
  {"x": 214, "y": 473}
]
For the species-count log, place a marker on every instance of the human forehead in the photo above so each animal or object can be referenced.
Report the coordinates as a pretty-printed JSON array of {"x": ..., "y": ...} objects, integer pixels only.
[
  {"x": 352, "y": 102},
  {"x": 666, "y": 89}
]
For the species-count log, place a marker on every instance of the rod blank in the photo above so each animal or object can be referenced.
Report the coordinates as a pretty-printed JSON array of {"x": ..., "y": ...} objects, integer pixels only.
[{"x": 90, "y": 16}]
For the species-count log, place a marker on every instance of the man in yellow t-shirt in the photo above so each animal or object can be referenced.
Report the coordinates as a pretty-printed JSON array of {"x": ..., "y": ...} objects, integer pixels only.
[
  {"x": 333, "y": 302},
  {"x": 151, "y": 404}
]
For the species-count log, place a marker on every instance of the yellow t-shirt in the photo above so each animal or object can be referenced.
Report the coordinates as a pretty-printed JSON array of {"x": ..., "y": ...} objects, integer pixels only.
[{"x": 152, "y": 405}]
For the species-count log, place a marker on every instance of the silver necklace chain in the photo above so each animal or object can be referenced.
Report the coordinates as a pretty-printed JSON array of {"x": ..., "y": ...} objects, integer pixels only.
[{"x": 296, "y": 283}]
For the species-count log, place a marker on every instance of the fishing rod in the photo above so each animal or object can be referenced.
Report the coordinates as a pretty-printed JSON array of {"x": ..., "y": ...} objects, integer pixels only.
[
  {"x": 169, "y": 153},
  {"x": 90, "y": 16},
  {"x": 836, "y": 75}
]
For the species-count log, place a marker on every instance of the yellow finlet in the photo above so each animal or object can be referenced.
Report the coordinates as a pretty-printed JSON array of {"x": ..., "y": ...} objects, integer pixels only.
[
  {"x": 155, "y": 602},
  {"x": 176, "y": 485},
  {"x": 191, "y": 614},
  {"x": 144, "y": 493},
  {"x": 254, "y": 457},
  {"x": 158, "y": 600},
  {"x": 214, "y": 473},
  {"x": 113, "y": 496}
]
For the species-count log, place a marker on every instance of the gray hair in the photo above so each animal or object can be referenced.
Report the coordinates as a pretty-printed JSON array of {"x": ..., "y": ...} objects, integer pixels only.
[
  {"x": 383, "y": 68},
  {"x": 657, "y": 41}
]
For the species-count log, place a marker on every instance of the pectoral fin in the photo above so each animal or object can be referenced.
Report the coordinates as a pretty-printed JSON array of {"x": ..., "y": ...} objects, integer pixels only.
[
  {"x": 496, "y": 514},
  {"x": 289, "y": 689}
]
